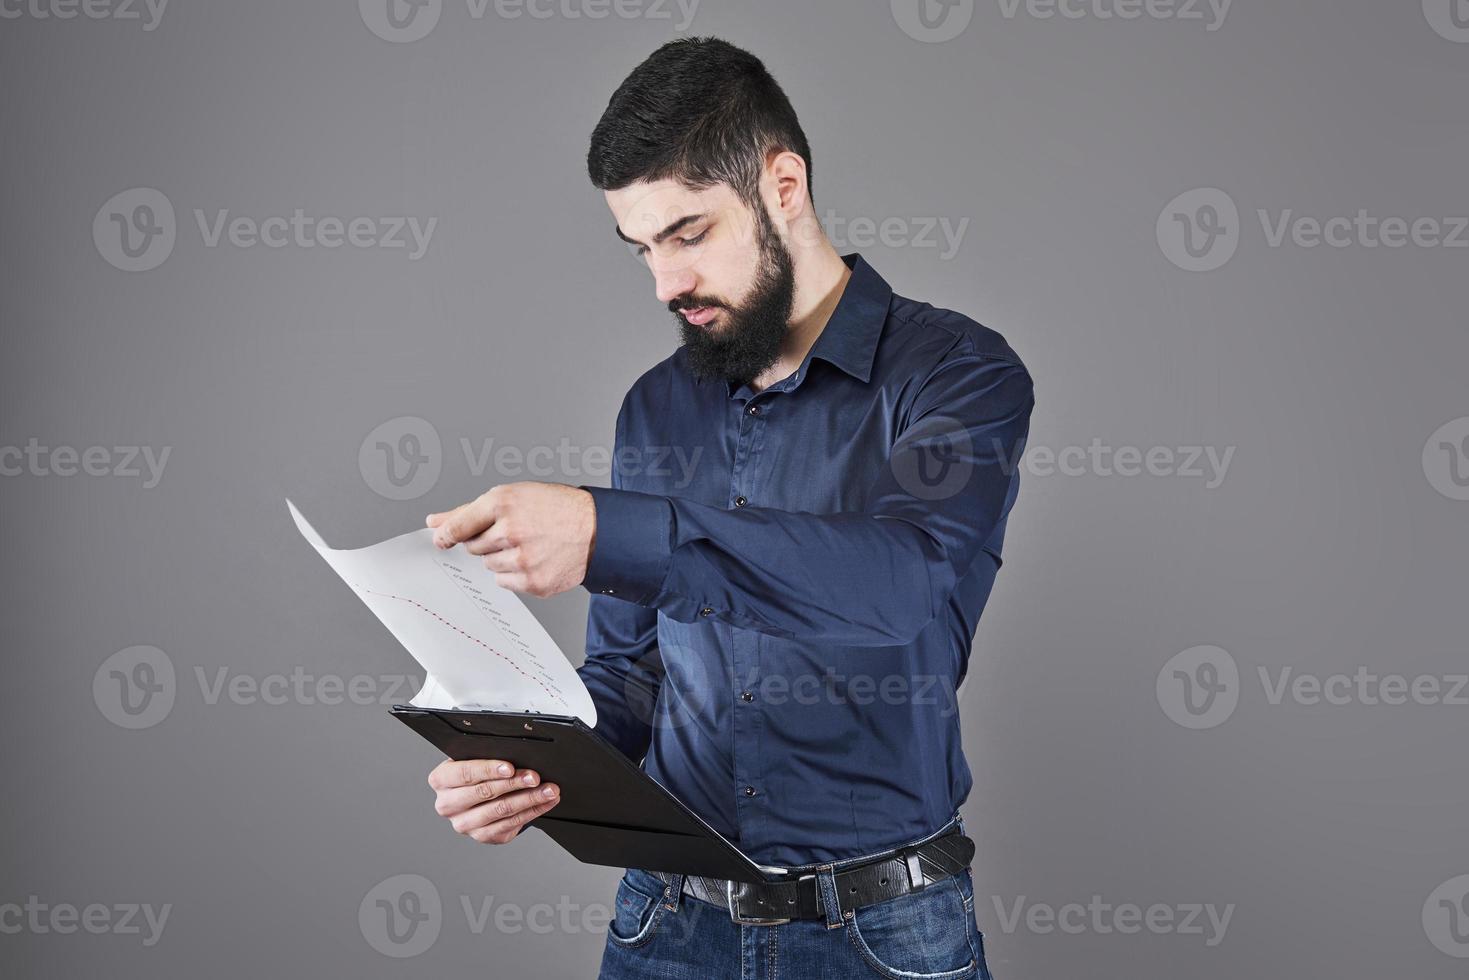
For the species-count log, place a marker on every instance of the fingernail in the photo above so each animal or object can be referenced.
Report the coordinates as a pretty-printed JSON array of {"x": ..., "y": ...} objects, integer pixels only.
[
  {"x": 530, "y": 779},
  {"x": 505, "y": 769},
  {"x": 549, "y": 792}
]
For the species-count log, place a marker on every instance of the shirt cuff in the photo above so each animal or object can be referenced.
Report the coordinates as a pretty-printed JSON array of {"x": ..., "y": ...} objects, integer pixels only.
[{"x": 634, "y": 546}]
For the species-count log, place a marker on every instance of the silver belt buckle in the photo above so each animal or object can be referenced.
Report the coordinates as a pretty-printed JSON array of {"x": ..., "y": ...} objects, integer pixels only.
[{"x": 734, "y": 913}]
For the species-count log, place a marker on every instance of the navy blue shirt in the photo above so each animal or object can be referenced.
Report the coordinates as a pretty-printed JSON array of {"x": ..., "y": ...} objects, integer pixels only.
[{"x": 785, "y": 585}]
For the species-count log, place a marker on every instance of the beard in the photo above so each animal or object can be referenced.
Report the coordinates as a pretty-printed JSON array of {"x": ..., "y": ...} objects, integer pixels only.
[{"x": 749, "y": 338}]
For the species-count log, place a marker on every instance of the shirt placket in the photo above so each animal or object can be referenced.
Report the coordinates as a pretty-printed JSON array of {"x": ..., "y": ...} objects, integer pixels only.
[{"x": 751, "y": 805}]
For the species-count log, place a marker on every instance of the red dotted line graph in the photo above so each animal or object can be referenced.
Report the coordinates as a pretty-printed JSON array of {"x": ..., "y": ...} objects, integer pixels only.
[{"x": 468, "y": 636}]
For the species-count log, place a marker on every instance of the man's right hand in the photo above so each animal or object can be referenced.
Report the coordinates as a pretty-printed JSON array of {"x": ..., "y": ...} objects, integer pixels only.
[{"x": 489, "y": 800}]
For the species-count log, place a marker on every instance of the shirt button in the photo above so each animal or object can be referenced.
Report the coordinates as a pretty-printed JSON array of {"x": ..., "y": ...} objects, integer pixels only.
[
  {"x": 747, "y": 696},
  {"x": 749, "y": 791},
  {"x": 707, "y": 611},
  {"x": 609, "y": 591},
  {"x": 740, "y": 501},
  {"x": 753, "y": 409}
]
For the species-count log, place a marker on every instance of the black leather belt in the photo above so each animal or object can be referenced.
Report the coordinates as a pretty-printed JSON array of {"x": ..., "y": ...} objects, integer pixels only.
[{"x": 900, "y": 872}]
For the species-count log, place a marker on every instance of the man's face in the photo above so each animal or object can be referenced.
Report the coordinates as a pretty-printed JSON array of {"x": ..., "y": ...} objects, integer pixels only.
[{"x": 721, "y": 269}]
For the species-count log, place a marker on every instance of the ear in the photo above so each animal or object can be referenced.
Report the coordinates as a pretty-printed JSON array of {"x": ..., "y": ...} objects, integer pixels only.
[{"x": 786, "y": 174}]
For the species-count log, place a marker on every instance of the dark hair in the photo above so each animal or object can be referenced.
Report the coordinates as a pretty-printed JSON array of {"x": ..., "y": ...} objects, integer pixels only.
[{"x": 700, "y": 111}]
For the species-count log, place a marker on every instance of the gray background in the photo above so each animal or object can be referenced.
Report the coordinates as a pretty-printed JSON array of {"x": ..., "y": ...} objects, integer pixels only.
[{"x": 1325, "y": 549}]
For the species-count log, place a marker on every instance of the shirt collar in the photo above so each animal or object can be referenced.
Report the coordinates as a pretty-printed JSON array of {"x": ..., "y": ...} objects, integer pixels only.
[{"x": 849, "y": 339}]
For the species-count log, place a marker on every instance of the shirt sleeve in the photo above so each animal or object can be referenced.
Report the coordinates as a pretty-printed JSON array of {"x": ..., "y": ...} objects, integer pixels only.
[
  {"x": 869, "y": 578},
  {"x": 623, "y": 670}
]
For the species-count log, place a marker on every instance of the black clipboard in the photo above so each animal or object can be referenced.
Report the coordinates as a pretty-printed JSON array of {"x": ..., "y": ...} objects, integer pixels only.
[{"x": 611, "y": 813}]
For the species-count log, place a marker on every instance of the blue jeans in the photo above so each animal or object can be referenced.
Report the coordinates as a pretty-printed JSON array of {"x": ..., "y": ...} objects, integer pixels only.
[{"x": 658, "y": 933}]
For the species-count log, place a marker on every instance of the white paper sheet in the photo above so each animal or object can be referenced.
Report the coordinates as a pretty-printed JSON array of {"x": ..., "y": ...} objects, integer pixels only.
[{"x": 479, "y": 644}]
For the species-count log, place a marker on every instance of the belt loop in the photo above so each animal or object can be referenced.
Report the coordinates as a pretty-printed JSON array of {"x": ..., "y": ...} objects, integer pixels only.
[
  {"x": 916, "y": 879},
  {"x": 826, "y": 885},
  {"x": 672, "y": 891}
]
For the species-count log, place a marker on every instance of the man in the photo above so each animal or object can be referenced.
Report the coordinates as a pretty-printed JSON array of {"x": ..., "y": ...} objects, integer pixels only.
[{"x": 778, "y": 633}]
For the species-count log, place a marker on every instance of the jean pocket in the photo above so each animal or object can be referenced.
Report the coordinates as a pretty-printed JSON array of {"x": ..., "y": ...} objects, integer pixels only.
[
  {"x": 636, "y": 913},
  {"x": 921, "y": 936}
]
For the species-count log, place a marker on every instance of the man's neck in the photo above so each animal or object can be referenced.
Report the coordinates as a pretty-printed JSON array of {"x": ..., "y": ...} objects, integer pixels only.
[{"x": 819, "y": 287}]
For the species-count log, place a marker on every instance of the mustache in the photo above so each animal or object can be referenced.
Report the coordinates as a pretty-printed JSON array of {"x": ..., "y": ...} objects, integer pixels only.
[{"x": 694, "y": 303}]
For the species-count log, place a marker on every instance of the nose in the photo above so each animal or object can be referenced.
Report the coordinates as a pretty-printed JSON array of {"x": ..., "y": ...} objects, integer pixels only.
[{"x": 670, "y": 280}]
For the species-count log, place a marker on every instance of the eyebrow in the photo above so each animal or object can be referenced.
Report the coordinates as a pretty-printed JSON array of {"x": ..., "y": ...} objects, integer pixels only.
[{"x": 658, "y": 239}]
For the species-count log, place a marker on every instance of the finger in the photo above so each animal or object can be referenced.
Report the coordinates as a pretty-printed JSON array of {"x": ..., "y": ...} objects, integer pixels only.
[
  {"x": 514, "y": 581},
  {"x": 504, "y": 561},
  {"x": 465, "y": 522},
  {"x": 505, "y": 808},
  {"x": 434, "y": 520},
  {"x": 449, "y": 774},
  {"x": 450, "y": 802},
  {"x": 491, "y": 540},
  {"x": 505, "y": 830}
]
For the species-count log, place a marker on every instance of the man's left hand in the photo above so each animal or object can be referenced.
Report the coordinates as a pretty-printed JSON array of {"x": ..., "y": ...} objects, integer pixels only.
[{"x": 535, "y": 537}]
